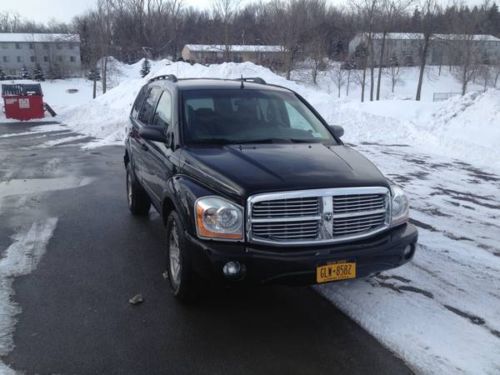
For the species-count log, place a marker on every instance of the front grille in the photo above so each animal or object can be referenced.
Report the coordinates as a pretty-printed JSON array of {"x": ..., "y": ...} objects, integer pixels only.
[
  {"x": 317, "y": 216},
  {"x": 295, "y": 207},
  {"x": 358, "y": 203},
  {"x": 282, "y": 231},
  {"x": 357, "y": 224}
]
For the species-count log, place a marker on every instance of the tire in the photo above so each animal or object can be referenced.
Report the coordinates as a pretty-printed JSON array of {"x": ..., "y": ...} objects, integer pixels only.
[
  {"x": 138, "y": 200},
  {"x": 181, "y": 276}
]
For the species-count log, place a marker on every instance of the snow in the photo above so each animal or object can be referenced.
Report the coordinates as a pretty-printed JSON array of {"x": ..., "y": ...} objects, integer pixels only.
[
  {"x": 38, "y": 37},
  {"x": 233, "y": 48},
  {"x": 420, "y": 36},
  {"x": 19, "y": 259}
]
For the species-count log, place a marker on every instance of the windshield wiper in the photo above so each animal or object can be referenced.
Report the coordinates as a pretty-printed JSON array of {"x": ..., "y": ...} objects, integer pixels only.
[{"x": 225, "y": 141}]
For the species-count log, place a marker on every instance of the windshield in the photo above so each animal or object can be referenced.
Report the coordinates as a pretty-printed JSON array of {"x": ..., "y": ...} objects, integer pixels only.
[{"x": 232, "y": 116}]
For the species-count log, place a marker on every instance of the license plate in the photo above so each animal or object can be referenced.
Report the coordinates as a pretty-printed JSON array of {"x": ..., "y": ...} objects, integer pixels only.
[{"x": 336, "y": 271}]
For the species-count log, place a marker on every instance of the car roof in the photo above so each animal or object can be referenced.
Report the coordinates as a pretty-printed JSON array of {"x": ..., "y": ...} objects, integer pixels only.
[{"x": 220, "y": 84}]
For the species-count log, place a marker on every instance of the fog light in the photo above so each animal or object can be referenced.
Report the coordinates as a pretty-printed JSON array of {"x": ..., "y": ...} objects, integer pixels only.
[
  {"x": 408, "y": 251},
  {"x": 232, "y": 269}
]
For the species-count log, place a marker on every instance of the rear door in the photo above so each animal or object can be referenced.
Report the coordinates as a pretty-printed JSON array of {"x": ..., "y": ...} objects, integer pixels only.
[
  {"x": 161, "y": 164},
  {"x": 140, "y": 146}
]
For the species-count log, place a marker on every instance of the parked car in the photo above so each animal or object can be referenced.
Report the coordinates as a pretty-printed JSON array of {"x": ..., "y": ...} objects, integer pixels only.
[{"x": 254, "y": 186}]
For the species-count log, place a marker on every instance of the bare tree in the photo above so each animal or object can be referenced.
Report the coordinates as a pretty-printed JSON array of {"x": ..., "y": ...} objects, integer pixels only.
[
  {"x": 339, "y": 77},
  {"x": 428, "y": 27},
  {"x": 468, "y": 62},
  {"x": 496, "y": 72},
  {"x": 225, "y": 10},
  {"x": 394, "y": 72},
  {"x": 366, "y": 10},
  {"x": 391, "y": 11}
]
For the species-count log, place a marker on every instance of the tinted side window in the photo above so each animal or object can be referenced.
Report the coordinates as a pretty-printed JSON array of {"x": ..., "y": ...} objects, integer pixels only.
[
  {"x": 163, "y": 114},
  {"x": 149, "y": 105},
  {"x": 138, "y": 102}
]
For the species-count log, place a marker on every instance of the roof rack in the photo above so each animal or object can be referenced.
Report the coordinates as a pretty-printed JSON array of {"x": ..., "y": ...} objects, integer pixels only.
[
  {"x": 252, "y": 79},
  {"x": 166, "y": 77}
]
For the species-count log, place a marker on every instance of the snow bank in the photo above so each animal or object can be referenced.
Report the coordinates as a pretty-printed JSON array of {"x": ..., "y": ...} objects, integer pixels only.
[
  {"x": 106, "y": 116},
  {"x": 466, "y": 128},
  {"x": 463, "y": 127}
]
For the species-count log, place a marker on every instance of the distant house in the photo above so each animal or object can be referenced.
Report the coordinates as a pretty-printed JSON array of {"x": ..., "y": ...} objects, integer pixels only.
[
  {"x": 207, "y": 54},
  {"x": 57, "y": 54},
  {"x": 445, "y": 49}
]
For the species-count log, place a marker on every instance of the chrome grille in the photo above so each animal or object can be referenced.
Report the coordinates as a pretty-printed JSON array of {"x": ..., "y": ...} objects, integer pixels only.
[
  {"x": 317, "y": 216},
  {"x": 357, "y": 224},
  {"x": 296, "y": 207},
  {"x": 358, "y": 203},
  {"x": 286, "y": 231}
]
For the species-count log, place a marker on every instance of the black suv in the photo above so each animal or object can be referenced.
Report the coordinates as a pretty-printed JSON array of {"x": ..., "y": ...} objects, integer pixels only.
[{"x": 253, "y": 185}]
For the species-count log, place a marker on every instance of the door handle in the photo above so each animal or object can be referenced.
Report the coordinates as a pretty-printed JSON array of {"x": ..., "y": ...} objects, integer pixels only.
[{"x": 144, "y": 147}]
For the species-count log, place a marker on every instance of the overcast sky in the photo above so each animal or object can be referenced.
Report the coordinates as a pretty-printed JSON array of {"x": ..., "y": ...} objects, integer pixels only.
[{"x": 65, "y": 10}]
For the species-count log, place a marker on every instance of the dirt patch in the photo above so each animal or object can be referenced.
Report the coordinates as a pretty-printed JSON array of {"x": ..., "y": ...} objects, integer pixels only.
[
  {"x": 384, "y": 145},
  {"x": 473, "y": 318},
  {"x": 405, "y": 288},
  {"x": 394, "y": 277},
  {"x": 423, "y": 225},
  {"x": 467, "y": 197}
]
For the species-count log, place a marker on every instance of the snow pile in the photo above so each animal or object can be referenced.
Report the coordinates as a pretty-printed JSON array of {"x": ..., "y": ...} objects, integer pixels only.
[
  {"x": 467, "y": 128},
  {"x": 106, "y": 116},
  {"x": 462, "y": 127},
  {"x": 470, "y": 124}
]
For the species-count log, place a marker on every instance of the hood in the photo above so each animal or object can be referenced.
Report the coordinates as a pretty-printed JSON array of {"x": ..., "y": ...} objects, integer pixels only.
[{"x": 241, "y": 171}]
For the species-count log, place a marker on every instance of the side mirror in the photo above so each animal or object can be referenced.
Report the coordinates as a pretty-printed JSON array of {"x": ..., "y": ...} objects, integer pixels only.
[
  {"x": 337, "y": 130},
  {"x": 153, "y": 133}
]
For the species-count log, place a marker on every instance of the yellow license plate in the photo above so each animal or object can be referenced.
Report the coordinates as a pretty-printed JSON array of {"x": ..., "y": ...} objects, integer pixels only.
[{"x": 336, "y": 271}]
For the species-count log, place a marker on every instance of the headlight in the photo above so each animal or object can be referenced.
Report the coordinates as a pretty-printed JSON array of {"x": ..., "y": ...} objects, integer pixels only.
[
  {"x": 400, "y": 206},
  {"x": 217, "y": 218}
]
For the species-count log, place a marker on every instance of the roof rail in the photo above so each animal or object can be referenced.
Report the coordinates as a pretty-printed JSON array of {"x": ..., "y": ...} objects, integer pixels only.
[
  {"x": 252, "y": 79},
  {"x": 167, "y": 77}
]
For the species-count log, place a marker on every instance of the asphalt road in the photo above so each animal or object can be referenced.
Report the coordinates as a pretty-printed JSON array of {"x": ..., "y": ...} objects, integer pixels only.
[{"x": 75, "y": 316}]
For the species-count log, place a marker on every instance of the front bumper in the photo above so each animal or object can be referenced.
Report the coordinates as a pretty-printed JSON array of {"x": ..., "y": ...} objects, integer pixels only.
[{"x": 266, "y": 264}]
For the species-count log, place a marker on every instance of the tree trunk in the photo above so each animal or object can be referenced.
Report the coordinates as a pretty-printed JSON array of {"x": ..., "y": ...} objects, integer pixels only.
[
  {"x": 423, "y": 60},
  {"x": 372, "y": 71},
  {"x": 464, "y": 81},
  {"x": 363, "y": 82},
  {"x": 94, "y": 90},
  {"x": 104, "y": 75},
  {"x": 380, "y": 63},
  {"x": 349, "y": 81}
]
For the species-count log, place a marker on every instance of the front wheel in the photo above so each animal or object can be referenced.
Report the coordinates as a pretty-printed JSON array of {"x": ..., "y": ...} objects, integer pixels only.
[{"x": 180, "y": 273}]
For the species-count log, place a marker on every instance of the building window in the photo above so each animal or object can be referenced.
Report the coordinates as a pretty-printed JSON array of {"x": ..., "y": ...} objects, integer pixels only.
[
  {"x": 46, "y": 59},
  {"x": 58, "y": 46},
  {"x": 60, "y": 58},
  {"x": 19, "y": 59},
  {"x": 6, "y": 59},
  {"x": 72, "y": 59},
  {"x": 46, "y": 45},
  {"x": 18, "y": 46},
  {"x": 31, "y": 45},
  {"x": 5, "y": 45},
  {"x": 32, "y": 58},
  {"x": 71, "y": 46}
]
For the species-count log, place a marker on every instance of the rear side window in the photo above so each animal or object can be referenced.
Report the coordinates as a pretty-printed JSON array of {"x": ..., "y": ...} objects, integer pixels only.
[
  {"x": 163, "y": 113},
  {"x": 149, "y": 105}
]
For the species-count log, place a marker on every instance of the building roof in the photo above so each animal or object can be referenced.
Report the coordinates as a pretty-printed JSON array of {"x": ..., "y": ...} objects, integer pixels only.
[
  {"x": 420, "y": 36},
  {"x": 233, "y": 48},
  {"x": 38, "y": 37}
]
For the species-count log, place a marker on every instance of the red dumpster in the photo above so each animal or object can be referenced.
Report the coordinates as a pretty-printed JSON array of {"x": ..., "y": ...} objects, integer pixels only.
[{"x": 23, "y": 101}]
